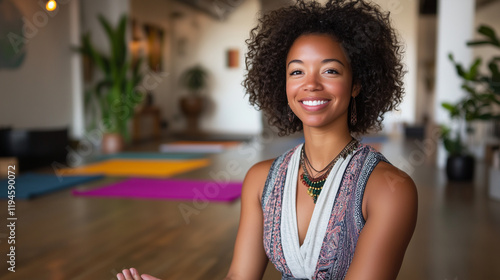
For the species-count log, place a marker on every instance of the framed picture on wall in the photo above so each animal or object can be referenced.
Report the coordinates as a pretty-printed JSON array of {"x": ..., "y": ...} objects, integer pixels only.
[
  {"x": 155, "y": 40},
  {"x": 232, "y": 56}
]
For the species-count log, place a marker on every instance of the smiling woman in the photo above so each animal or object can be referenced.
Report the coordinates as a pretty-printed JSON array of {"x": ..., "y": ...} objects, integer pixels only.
[
  {"x": 329, "y": 208},
  {"x": 332, "y": 72}
]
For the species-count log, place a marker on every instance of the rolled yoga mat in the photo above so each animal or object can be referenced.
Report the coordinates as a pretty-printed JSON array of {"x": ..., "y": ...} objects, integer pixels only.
[
  {"x": 142, "y": 188},
  {"x": 198, "y": 146}
]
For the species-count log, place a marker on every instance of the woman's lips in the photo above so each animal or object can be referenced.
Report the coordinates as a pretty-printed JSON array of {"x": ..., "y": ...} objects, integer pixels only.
[{"x": 314, "y": 105}]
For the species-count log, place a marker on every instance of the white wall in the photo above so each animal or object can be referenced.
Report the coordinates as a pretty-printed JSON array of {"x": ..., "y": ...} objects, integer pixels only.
[
  {"x": 232, "y": 112},
  {"x": 38, "y": 94},
  {"x": 206, "y": 41},
  {"x": 158, "y": 13},
  {"x": 47, "y": 86},
  {"x": 404, "y": 15},
  {"x": 193, "y": 37}
]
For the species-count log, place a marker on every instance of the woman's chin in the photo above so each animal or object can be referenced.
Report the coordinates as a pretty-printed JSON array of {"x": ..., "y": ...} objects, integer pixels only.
[
  {"x": 318, "y": 125},
  {"x": 323, "y": 123}
]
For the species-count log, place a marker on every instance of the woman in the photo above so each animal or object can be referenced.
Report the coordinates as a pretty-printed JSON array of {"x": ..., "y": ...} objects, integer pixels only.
[{"x": 329, "y": 208}]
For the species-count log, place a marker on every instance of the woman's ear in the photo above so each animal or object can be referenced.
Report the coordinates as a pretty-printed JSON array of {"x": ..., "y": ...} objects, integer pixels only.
[{"x": 356, "y": 88}]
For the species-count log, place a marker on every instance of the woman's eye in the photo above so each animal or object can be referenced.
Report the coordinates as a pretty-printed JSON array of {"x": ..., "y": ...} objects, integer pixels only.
[
  {"x": 296, "y": 72},
  {"x": 331, "y": 71}
]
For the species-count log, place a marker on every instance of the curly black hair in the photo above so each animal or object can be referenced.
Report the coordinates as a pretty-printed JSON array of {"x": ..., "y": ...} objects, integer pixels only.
[{"x": 364, "y": 31}]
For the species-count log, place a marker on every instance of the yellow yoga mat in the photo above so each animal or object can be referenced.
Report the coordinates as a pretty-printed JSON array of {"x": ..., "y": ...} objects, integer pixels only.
[{"x": 139, "y": 168}]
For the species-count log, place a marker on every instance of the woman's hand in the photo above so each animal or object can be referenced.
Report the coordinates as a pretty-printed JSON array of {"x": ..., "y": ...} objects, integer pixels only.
[{"x": 132, "y": 274}]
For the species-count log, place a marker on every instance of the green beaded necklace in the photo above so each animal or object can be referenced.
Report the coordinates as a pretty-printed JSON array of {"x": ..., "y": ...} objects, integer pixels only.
[{"x": 315, "y": 184}]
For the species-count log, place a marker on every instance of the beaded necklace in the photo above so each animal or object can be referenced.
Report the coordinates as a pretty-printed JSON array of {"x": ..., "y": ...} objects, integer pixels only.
[{"x": 315, "y": 184}]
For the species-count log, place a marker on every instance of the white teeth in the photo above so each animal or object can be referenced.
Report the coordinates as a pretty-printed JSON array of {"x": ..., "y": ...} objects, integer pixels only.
[{"x": 314, "y": 102}]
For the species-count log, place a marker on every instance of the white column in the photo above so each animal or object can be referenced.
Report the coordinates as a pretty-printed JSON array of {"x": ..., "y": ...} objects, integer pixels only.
[
  {"x": 78, "y": 122},
  {"x": 404, "y": 18},
  {"x": 455, "y": 28}
]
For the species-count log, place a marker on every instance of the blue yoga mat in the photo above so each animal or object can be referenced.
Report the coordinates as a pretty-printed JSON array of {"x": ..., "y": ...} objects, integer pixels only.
[
  {"x": 29, "y": 185},
  {"x": 147, "y": 155}
]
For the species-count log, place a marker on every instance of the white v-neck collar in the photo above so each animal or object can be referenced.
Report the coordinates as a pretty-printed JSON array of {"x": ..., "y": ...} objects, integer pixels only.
[{"x": 302, "y": 259}]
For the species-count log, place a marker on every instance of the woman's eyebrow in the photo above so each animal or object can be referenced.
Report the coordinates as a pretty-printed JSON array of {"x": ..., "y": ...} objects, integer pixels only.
[
  {"x": 332, "y": 60},
  {"x": 324, "y": 61},
  {"x": 296, "y": 61}
]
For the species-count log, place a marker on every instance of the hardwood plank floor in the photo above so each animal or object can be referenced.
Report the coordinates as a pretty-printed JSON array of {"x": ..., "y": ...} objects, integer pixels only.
[{"x": 59, "y": 236}]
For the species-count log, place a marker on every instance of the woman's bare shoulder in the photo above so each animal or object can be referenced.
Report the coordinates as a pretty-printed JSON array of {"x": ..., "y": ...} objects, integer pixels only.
[
  {"x": 388, "y": 177},
  {"x": 261, "y": 168},
  {"x": 256, "y": 177},
  {"x": 389, "y": 186}
]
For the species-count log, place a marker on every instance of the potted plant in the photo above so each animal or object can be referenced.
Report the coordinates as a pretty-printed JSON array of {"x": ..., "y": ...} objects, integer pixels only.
[
  {"x": 194, "y": 79},
  {"x": 114, "y": 93},
  {"x": 482, "y": 95}
]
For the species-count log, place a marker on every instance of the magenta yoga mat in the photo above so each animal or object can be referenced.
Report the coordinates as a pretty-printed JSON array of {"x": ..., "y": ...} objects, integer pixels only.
[{"x": 144, "y": 188}]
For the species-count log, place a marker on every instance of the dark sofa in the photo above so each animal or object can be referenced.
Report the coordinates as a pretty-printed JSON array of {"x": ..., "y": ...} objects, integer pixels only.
[{"x": 34, "y": 148}]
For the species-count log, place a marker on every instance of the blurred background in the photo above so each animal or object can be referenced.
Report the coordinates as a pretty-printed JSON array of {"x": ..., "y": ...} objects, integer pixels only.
[{"x": 130, "y": 134}]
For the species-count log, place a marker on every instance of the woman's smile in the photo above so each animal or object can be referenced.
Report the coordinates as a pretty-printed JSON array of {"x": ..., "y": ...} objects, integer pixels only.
[{"x": 314, "y": 104}]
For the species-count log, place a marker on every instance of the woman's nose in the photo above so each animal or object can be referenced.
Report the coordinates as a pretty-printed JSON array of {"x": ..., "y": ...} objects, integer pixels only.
[{"x": 312, "y": 83}]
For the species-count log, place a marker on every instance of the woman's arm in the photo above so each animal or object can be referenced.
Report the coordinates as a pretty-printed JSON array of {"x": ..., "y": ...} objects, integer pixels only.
[
  {"x": 249, "y": 258},
  {"x": 390, "y": 209}
]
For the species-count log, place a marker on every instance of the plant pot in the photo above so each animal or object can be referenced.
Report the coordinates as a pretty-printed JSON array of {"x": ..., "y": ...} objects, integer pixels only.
[
  {"x": 192, "y": 107},
  {"x": 496, "y": 129},
  {"x": 112, "y": 143},
  {"x": 460, "y": 168},
  {"x": 494, "y": 181}
]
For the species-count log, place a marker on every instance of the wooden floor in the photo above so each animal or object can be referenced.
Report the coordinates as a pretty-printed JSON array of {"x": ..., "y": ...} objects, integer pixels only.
[{"x": 59, "y": 236}]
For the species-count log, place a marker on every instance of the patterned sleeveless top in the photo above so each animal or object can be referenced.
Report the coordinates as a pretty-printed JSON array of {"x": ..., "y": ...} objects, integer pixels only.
[{"x": 346, "y": 220}]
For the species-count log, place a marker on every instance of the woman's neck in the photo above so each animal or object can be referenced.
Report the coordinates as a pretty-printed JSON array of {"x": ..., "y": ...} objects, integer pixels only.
[{"x": 321, "y": 145}]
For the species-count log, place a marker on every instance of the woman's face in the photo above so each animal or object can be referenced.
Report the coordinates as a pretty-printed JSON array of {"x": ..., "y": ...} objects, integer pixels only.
[{"x": 319, "y": 81}]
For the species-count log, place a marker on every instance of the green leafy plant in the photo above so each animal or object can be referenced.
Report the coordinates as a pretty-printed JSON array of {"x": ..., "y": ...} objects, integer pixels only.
[
  {"x": 452, "y": 143},
  {"x": 194, "y": 79},
  {"x": 492, "y": 80},
  {"x": 482, "y": 95},
  {"x": 115, "y": 93}
]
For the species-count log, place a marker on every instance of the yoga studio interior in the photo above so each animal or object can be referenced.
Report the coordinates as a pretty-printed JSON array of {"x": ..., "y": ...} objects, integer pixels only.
[{"x": 126, "y": 134}]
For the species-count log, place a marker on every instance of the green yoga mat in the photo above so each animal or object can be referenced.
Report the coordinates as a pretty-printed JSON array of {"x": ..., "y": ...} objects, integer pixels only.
[{"x": 29, "y": 185}]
